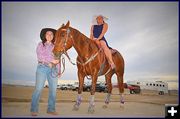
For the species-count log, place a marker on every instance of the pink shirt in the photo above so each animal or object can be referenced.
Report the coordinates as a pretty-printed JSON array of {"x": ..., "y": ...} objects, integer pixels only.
[{"x": 44, "y": 52}]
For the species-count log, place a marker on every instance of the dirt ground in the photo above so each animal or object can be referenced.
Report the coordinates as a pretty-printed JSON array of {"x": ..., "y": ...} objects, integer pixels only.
[{"x": 16, "y": 103}]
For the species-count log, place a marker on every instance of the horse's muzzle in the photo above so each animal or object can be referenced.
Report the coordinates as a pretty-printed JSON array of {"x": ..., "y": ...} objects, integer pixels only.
[{"x": 57, "y": 55}]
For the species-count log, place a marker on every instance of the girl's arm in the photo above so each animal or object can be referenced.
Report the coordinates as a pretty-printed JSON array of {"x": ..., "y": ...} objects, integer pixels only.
[
  {"x": 39, "y": 52},
  {"x": 91, "y": 32},
  {"x": 104, "y": 30}
]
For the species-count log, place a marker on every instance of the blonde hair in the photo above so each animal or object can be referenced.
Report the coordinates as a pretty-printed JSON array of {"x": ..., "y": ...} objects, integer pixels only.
[{"x": 94, "y": 21}]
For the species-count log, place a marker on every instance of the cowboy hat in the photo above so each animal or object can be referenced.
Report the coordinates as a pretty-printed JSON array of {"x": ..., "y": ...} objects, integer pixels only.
[
  {"x": 104, "y": 18},
  {"x": 94, "y": 21},
  {"x": 44, "y": 30}
]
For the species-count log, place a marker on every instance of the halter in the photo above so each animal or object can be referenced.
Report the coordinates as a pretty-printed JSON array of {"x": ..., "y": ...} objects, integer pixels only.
[
  {"x": 56, "y": 73},
  {"x": 67, "y": 35}
]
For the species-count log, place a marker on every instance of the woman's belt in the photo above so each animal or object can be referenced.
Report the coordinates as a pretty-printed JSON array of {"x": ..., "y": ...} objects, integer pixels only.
[{"x": 45, "y": 63}]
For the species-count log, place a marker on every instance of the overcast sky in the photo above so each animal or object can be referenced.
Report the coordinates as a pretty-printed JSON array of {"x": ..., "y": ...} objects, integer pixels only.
[{"x": 146, "y": 34}]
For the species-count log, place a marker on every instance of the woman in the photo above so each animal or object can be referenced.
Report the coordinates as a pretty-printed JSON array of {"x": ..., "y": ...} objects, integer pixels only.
[
  {"x": 97, "y": 34},
  {"x": 46, "y": 63}
]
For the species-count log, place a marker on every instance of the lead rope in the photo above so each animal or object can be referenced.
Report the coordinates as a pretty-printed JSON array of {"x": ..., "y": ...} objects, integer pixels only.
[
  {"x": 57, "y": 73},
  {"x": 63, "y": 64}
]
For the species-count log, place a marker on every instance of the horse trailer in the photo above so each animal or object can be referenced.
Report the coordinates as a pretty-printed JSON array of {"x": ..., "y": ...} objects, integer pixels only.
[{"x": 159, "y": 86}]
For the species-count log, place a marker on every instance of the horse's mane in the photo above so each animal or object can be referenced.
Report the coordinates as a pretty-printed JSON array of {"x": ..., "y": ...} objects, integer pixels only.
[{"x": 79, "y": 35}]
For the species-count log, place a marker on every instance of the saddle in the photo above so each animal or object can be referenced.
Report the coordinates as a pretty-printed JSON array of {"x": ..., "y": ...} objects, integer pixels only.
[{"x": 103, "y": 59}]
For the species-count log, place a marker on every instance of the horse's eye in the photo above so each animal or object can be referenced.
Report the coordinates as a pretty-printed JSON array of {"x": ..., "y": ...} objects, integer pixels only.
[{"x": 62, "y": 35}]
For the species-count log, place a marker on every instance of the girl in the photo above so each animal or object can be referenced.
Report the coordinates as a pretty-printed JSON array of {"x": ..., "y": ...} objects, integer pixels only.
[
  {"x": 44, "y": 70},
  {"x": 97, "y": 33}
]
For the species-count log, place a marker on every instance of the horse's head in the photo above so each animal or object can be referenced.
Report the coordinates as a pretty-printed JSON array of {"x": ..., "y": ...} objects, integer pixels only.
[{"x": 63, "y": 40}]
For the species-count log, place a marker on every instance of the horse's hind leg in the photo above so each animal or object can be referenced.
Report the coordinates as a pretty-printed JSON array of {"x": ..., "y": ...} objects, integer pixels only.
[
  {"x": 80, "y": 89},
  {"x": 121, "y": 87},
  {"x": 109, "y": 87}
]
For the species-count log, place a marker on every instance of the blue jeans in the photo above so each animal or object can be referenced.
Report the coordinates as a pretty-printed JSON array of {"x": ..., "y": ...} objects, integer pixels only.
[{"x": 43, "y": 72}]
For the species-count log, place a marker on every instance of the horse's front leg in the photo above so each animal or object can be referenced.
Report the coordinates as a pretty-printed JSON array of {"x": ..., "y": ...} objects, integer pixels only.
[
  {"x": 80, "y": 89},
  {"x": 93, "y": 89},
  {"x": 109, "y": 86}
]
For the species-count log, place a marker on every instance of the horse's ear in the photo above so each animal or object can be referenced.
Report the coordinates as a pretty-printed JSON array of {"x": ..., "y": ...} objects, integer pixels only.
[
  {"x": 62, "y": 25},
  {"x": 67, "y": 24}
]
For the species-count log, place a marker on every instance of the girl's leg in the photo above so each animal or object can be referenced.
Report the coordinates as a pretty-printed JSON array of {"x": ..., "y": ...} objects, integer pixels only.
[
  {"x": 52, "y": 80},
  {"x": 40, "y": 80},
  {"x": 107, "y": 53}
]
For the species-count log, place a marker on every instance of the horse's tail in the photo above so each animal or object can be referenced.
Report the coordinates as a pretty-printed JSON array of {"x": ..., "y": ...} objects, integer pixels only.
[
  {"x": 120, "y": 71},
  {"x": 119, "y": 61}
]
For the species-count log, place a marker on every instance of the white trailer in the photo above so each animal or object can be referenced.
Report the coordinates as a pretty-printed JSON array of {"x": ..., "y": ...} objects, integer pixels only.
[{"x": 159, "y": 86}]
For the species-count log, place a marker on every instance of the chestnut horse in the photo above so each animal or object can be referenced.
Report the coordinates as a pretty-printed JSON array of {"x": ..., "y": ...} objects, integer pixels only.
[{"x": 89, "y": 62}]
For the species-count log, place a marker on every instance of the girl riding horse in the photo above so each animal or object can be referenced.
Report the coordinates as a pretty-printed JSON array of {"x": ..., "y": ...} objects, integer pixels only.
[{"x": 97, "y": 34}]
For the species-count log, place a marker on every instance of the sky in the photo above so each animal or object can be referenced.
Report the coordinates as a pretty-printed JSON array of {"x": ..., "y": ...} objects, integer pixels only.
[{"x": 146, "y": 34}]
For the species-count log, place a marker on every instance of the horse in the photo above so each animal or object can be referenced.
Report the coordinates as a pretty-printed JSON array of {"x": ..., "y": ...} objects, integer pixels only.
[{"x": 90, "y": 60}]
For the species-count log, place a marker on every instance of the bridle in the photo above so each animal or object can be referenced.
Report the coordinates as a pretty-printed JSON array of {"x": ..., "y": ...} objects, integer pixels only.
[
  {"x": 63, "y": 59},
  {"x": 65, "y": 44}
]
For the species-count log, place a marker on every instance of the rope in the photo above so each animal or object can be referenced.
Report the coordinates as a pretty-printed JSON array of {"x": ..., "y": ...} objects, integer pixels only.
[
  {"x": 69, "y": 58},
  {"x": 54, "y": 69},
  {"x": 63, "y": 64}
]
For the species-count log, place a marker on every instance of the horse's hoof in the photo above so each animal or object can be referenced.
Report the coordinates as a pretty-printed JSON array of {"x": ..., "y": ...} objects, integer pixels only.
[
  {"x": 91, "y": 110},
  {"x": 122, "y": 101},
  {"x": 121, "y": 106},
  {"x": 76, "y": 107},
  {"x": 105, "y": 106},
  {"x": 106, "y": 102}
]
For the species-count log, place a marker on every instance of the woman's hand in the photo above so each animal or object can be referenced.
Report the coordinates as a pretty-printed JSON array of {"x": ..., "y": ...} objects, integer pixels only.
[
  {"x": 98, "y": 43},
  {"x": 55, "y": 61},
  {"x": 94, "y": 39}
]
